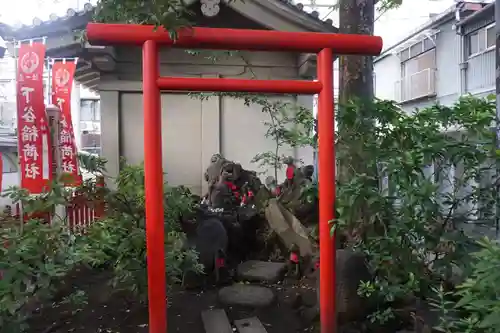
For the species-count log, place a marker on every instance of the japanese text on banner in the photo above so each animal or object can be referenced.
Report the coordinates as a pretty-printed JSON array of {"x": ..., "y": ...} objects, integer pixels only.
[
  {"x": 31, "y": 119},
  {"x": 62, "y": 81}
]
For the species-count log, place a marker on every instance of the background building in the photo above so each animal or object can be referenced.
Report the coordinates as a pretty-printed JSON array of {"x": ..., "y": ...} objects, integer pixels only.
[{"x": 451, "y": 55}]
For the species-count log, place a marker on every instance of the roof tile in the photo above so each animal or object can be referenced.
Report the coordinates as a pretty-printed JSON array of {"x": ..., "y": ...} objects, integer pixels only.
[{"x": 88, "y": 7}]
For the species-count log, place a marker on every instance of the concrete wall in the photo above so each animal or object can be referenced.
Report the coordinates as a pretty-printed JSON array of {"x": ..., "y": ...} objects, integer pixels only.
[{"x": 193, "y": 129}]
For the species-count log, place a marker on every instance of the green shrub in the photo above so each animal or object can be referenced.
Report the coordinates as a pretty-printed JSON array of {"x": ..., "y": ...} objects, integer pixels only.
[
  {"x": 119, "y": 241},
  {"x": 37, "y": 256},
  {"x": 391, "y": 207},
  {"x": 31, "y": 262},
  {"x": 474, "y": 307}
]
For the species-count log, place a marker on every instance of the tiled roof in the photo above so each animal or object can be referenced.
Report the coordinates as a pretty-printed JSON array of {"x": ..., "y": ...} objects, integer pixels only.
[
  {"x": 53, "y": 18},
  {"x": 88, "y": 7},
  {"x": 488, "y": 11},
  {"x": 300, "y": 9}
]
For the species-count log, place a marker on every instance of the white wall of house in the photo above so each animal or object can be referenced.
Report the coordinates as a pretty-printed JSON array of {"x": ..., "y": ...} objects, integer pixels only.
[
  {"x": 418, "y": 76},
  {"x": 423, "y": 70},
  {"x": 7, "y": 92},
  {"x": 447, "y": 64},
  {"x": 387, "y": 73}
]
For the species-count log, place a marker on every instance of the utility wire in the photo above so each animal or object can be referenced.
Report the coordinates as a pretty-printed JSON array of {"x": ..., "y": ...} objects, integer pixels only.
[
  {"x": 335, "y": 7},
  {"x": 380, "y": 15},
  {"x": 331, "y": 11}
]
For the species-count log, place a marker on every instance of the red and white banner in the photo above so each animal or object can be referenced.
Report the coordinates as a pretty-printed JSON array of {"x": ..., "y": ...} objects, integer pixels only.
[
  {"x": 63, "y": 73},
  {"x": 32, "y": 133}
]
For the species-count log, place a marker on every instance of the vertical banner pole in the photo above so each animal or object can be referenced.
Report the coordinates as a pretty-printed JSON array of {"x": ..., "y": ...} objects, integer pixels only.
[
  {"x": 16, "y": 60},
  {"x": 326, "y": 151},
  {"x": 153, "y": 173},
  {"x": 53, "y": 115},
  {"x": 49, "y": 80},
  {"x": 48, "y": 154},
  {"x": 75, "y": 111}
]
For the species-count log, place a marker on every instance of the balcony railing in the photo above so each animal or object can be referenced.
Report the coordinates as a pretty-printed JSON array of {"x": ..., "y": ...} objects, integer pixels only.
[{"x": 418, "y": 85}]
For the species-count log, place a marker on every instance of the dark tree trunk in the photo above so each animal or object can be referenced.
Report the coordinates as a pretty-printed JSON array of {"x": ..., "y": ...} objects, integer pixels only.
[
  {"x": 356, "y": 72},
  {"x": 356, "y": 83}
]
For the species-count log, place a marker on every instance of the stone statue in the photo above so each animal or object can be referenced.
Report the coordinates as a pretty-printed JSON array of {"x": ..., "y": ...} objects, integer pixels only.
[
  {"x": 221, "y": 196},
  {"x": 307, "y": 172},
  {"x": 290, "y": 171},
  {"x": 213, "y": 171}
]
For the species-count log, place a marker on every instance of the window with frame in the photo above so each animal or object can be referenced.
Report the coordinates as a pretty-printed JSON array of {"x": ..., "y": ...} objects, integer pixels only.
[
  {"x": 490, "y": 36},
  {"x": 416, "y": 49},
  {"x": 90, "y": 110},
  {"x": 415, "y": 65},
  {"x": 481, "y": 40},
  {"x": 8, "y": 165},
  {"x": 418, "y": 76}
]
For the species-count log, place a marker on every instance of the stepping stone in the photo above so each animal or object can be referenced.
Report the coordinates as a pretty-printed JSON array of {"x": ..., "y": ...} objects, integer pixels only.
[
  {"x": 261, "y": 271},
  {"x": 249, "y": 325},
  {"x": 246, "y": 295},
  {"x": 216, "y": 321}
]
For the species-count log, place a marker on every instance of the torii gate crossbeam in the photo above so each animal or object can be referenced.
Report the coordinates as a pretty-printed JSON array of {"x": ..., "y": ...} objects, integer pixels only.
[{"x": 325, "y": 45}]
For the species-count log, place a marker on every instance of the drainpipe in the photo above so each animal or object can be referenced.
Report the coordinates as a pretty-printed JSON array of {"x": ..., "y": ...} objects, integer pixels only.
[
  {"x": 472, "y": 183},
  {"x": 451, "y": 170},
  {"x": 462, "y": 63}
]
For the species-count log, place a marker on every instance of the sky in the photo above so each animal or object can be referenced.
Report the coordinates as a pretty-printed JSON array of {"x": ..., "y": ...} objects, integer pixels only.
[
  {"x": 392, "y": 26},
  {"x": 23, "y": 11}
]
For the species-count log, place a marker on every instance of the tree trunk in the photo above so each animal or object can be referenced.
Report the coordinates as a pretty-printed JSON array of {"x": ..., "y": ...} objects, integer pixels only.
[
  {"x": 356, "y": 72},
  {"x": 356, "y": 83}
]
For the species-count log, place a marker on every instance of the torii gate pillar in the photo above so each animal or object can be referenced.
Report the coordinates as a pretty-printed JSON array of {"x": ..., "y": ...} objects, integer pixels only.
[{"x": 235, "y": 39}]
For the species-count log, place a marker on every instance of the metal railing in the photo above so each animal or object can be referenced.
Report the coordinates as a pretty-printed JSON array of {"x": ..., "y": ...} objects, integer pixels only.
[{"x": 417, "y": 85}]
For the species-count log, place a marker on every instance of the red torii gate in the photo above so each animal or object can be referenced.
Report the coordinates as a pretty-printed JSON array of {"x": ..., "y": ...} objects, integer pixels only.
[{"x": 234, "y": 39}]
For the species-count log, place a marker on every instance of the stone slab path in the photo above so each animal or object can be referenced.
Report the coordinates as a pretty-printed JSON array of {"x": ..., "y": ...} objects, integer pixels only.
[
  {"x": 261, "y": 271},
  {"x": 248, "y": 295}
]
